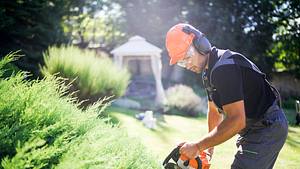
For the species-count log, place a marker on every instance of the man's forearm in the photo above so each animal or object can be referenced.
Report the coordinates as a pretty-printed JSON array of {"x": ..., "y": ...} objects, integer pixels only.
[
  {"x": 229, "y": 127},
  {"x": 214, "y": 119},
  {"x": 213, "y": 116}
]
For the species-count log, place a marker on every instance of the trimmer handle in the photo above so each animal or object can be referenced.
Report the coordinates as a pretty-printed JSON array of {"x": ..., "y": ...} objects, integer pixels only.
[
  {"x": 181, "y": 160},
  {"x": 173, "y": 155}
]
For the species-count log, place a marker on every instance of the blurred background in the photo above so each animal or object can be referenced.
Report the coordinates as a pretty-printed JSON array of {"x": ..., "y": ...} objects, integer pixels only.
[{"x": 267, "y": 32}]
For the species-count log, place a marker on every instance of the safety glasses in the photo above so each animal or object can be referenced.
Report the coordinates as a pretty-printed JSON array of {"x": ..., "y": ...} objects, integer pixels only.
[{"x": 187, "y": 59}]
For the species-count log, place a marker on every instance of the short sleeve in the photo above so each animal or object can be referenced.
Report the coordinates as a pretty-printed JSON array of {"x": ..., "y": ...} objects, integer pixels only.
[{"x": 227, "y": 79}]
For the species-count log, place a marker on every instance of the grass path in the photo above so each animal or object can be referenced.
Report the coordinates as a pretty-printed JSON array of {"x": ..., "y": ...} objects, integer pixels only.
[{"x": 171, "y": 130}]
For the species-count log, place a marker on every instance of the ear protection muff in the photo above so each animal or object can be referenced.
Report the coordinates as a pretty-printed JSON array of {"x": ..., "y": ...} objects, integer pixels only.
[{"x": 200, "y": 42}]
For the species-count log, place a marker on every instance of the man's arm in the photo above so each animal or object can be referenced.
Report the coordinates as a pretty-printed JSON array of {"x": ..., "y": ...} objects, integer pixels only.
[
  {"x": 213, "y": 116},
  {"x": 230, "y": 90},
  {"x": 234, "y": 122}
]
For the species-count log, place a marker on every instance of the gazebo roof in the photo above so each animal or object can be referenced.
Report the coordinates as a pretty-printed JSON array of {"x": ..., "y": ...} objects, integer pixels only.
[{"x": 136, "y": 45}]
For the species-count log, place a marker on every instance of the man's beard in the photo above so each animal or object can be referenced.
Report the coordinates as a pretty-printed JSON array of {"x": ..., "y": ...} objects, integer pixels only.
[{"x": 196, "y": 69}]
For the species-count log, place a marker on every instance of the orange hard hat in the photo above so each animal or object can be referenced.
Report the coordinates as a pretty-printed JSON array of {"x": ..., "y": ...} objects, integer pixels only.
[{"x": 178, "y": 42}]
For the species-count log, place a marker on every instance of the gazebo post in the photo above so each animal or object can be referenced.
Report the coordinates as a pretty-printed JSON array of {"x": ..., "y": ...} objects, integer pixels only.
[
  {"x": 156, "y": 68},
  {"x": 118, "y": 59}
]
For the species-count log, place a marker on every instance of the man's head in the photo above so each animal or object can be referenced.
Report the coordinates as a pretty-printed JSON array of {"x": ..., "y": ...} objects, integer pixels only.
[{"x": 187, "y": 47}]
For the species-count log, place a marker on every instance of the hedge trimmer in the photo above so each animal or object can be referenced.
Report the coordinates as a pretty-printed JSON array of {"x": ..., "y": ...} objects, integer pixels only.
[{"x": 182, "y": 162}]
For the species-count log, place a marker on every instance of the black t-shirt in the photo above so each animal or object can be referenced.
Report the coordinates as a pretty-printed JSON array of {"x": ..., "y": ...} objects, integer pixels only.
[{"x": 234, "y": 83}]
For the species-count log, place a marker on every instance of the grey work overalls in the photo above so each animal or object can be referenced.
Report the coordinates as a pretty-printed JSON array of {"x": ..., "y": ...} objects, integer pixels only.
[{"x": 260, "y": 142}]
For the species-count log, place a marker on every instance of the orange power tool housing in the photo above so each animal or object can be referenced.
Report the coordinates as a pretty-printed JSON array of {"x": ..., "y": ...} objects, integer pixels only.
[{"x": 182, "y": 162}]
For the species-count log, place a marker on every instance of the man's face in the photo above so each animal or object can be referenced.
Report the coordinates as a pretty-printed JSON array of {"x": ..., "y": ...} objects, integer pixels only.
[{"x": 193, "y": 61}]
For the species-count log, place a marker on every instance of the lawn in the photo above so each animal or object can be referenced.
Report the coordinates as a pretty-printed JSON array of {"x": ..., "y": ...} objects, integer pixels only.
[{"x": 172, "y": 129}]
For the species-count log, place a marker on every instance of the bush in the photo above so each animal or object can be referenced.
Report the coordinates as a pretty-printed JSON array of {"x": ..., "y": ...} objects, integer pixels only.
[
  {"x": 289, "y": 103},
  {"x": 94, "y": 77},
  {"x": 40, "y": 125},
  {"x": 102, "y": 148},
  {"x": 182, "y": 100}
]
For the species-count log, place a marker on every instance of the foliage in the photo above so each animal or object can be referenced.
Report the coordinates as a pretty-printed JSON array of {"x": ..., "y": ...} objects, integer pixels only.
[
  {"x": 241, "y": 25},
  {"x": 31, "y": 26},
  {"x": 6, "y": 66},
  {"x": 289, "y": 103},
  {"x": 107, "y": 153},
  {"x": 265, "y": 31},
  {"x": 182, "y": 100},
  {"x": 93, "y": 76},
  {"x": 33, "y": 112},
  {"x": 99, "y": 28},
  {"x": 286, "y": 48},
  {"x": 40, "y": 124}
]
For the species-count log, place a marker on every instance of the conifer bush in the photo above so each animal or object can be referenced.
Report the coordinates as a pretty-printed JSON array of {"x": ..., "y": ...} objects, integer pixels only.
[{"x": 42, "y": 127}]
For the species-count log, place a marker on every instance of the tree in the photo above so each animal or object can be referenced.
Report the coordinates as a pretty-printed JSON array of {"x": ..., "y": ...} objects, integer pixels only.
[
  {"x": 238, "y": 25},
  {"x": 286, "y": 48},
  {"x": 242, "y": 25},
  {"x": 267, "y": 31},
  {"x": 31, "y": 26},
  {"x": 250, "y": 27}
]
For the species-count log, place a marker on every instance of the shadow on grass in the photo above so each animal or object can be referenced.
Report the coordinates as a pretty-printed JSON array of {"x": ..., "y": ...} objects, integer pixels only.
[
  {"x": 293, "y": 138},
  {"x": 292, "y": 142},
  {"x": 114, "y": 120},
  {"x": 159, "y": 131},
  {"x": 162, "y": 131},
  {"x": 161, "y": 123}
]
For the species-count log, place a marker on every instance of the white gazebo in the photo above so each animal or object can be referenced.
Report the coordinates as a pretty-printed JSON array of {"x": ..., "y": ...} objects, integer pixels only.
[{"x": 138, "y": 48}]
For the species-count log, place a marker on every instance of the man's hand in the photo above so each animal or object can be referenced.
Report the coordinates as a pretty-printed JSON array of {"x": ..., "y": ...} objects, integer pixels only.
[
  {"x": 190, "y": 150},
  {"x": 209, "y": 152}
]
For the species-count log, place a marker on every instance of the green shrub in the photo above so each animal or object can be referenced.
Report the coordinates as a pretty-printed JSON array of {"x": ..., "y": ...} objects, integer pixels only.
[
  {"x": 289, "y": 103},
  {"x": 100, "y": 149},
  {"x": 7, "y": 68},
  {"x": 183, "y": 101},
  {"x": 94, "y": 77},
  {"x": 35, "y": 121},
  {"x": 40, "y": 124}
]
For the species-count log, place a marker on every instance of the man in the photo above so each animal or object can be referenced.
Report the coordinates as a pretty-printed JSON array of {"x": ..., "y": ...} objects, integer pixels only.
[{"x": 236, "y": 89}]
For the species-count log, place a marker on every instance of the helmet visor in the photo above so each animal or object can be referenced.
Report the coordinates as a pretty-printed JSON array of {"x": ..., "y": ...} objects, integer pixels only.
[{"x": 187, "y": 58}]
